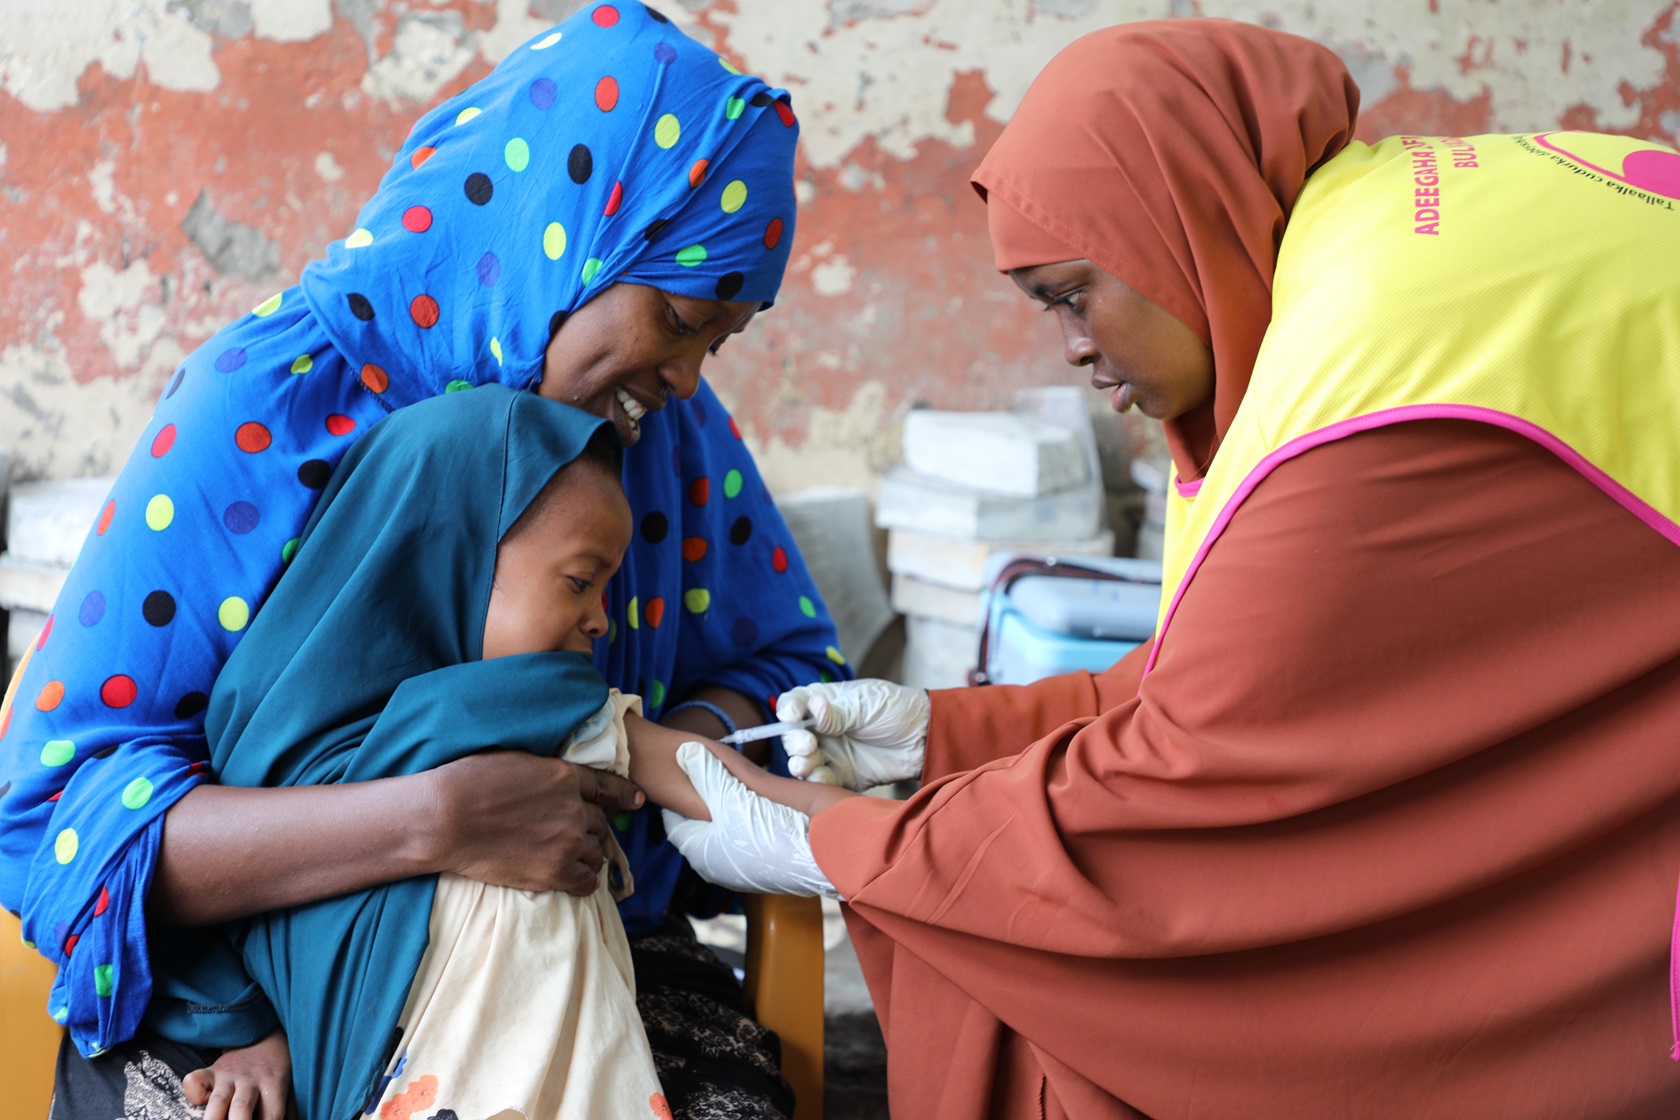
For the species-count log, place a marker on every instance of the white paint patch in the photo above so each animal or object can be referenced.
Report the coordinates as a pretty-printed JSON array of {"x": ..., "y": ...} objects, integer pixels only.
[
  {"x": 843, "y": 447},
  {"x": 426, "y": 53},
  {"x": 514, "y": 25},
  {"x": 46, "y": 48},
  {"x": 102, "y": 184},
  {"x": 57, "y": 427},
  {"x": 127, "y": 308},
  {"x": 854, "y": 178},
  {"x": 291, "y": 21},
  {"x": 833, "y": 277},
  {"x": 1513, "y": 50},
  {"x": 2, "y": 155},
  {"x": 327, "y": 167},
  {"x": 888, "y": 77}
]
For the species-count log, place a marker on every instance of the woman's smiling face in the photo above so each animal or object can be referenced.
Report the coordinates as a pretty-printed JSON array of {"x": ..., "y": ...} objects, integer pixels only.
[
  {"x": 631, "y": 348},
  {"x": 1135, "y": 349}
]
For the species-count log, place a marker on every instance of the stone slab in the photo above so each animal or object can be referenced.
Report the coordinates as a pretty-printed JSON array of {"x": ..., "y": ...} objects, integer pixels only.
[
  {"x": 920, "y": 599},
  {"x": 46, "y": 522},
  {"x": 22, "y": 627},
  {"x": 952, "y": 562},
  {"x": 938, "y": 654},
  {"x": 29, "y": 587},
  {"x": 995, "y": 452},
  {"x": 909, "y": 501},
  {"x": 831, "y": 527}
]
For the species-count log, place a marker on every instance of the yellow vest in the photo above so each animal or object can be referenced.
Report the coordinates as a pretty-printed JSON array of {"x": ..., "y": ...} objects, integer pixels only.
[{"x": 1532, "y": 282}]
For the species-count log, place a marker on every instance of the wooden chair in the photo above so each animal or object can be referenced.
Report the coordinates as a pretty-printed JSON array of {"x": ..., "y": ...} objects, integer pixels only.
[
  {"x": 28, "y": 1037},
  {"x": 784, "y": 984}
]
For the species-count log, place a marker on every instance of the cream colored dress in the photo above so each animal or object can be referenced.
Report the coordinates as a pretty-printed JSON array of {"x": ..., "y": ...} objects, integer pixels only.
[{"x": 524, "y": 1005}]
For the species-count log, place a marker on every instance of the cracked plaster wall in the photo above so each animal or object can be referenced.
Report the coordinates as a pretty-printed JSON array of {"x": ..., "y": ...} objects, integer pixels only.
[{"x": 166, "y": 164}]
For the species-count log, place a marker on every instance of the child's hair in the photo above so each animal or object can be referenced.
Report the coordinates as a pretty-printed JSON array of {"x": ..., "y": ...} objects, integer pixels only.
[{"x": 603, "y": 453}]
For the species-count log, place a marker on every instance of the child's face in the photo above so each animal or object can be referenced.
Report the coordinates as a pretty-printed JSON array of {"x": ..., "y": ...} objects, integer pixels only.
[{"x": 552, "y": 569}]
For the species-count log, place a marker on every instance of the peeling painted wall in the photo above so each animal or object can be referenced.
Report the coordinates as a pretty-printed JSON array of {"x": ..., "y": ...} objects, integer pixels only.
[{"x": 166, "y": 164}]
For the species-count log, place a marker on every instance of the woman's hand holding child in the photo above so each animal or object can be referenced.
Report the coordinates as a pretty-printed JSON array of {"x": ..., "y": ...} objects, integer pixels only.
[{"x": 519, "y": 820}]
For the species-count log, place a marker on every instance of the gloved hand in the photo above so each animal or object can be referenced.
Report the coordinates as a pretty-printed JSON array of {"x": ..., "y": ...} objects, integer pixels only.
[
  {"x": 751, "y": 843},
  {"x": 867, "y": 733}
]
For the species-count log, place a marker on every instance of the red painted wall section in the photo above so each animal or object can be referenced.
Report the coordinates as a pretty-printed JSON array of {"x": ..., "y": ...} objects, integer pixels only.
[{"x": 143, "y": 212}]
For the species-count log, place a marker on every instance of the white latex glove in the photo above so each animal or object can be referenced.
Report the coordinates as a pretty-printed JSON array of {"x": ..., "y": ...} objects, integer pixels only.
[
  {"x": 867, "y": 733},
  {"x": 751, "y": 843}
]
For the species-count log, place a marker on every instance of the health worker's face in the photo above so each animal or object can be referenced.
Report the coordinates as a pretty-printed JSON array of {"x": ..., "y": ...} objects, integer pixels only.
[
  {"x": 1136, "y": 350},
  {"x": 552, "y": 568},
  {"x": 630, "y": 349}
]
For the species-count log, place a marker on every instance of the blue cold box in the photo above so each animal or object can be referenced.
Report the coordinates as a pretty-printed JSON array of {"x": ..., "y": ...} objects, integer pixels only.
[{"x": 1045, "y": 624}]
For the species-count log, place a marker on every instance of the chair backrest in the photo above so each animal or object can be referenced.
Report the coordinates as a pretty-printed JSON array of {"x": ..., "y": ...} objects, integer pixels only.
[
  {"x": 28, "y": 1037},
  {"x": 785, "y": 986}
]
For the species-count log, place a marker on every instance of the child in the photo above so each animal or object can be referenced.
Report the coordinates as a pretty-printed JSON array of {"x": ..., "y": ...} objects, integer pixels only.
[{"x": 443, "y": 601}]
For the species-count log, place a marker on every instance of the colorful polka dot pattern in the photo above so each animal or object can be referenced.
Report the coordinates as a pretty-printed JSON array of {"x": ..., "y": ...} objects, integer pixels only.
[
  {"x": 211, "y": 507},
  {"x": 182, "y": 552},
  {"x": 613, "y": 147},
  {"x": 712, "y": 592}
]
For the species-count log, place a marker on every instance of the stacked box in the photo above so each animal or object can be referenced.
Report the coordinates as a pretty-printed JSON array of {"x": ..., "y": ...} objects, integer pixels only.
[
  {"x": 46, "y": 523},
  {"x": 975, "y": 484}
]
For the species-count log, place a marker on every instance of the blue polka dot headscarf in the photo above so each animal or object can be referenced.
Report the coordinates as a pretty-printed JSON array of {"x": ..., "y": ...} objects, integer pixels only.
[{"x": 612, "y": 148}]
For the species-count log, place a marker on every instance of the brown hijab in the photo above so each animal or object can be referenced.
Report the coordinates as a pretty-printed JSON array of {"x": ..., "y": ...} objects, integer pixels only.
[{"x": 1170, "y": 153}]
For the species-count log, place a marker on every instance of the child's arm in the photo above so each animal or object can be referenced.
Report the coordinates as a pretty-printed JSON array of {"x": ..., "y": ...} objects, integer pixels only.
[
  {"x": 653, "y": 767},
  {"x": 248, "y": 1083}
]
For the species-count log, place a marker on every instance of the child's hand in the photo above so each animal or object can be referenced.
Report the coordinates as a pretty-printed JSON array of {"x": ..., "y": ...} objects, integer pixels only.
[{"x": 250, "y": 1083}]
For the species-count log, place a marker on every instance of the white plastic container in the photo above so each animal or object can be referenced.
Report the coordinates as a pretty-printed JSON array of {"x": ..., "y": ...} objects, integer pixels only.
[{"x": 1043, "y": 622}]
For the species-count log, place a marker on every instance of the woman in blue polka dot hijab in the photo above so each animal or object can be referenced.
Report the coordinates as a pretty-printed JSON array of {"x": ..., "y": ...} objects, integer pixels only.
[{"x": 590, "y": 221}]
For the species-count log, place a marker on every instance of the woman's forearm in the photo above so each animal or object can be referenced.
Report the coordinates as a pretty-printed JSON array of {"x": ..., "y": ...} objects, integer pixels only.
[
  {"x": 502, "y": 817},
  {"x": 229, "y": 852}
]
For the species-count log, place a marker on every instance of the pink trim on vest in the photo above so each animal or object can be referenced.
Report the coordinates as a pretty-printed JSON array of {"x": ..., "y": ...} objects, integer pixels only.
[
  {"x": 1188, "y": 489},
  {"x": 1674, "y": 978},
  {"x": 1343, "y": 428}
]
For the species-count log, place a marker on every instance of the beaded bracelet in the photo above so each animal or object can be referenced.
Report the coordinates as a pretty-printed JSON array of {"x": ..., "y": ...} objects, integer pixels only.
[{"x": 705, "y": 706}]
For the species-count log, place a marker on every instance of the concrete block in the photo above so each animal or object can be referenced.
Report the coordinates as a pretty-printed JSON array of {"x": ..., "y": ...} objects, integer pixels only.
[
  {"x": 961, "y": 564},
  {"x": 918, "y": 598},
  {"x": 831, "y": 527},
  {"x": 997, "y": 452},
  {"x": 46, "y": 522},
  {"x": 22, "y": 627},
  {"x": 5, "y": 480},
  {"x": 29, "y": 587},
  {"x": 938, "y": 654},
  {"x": 907, "y": 500}
]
